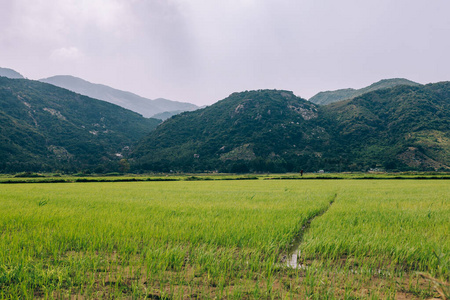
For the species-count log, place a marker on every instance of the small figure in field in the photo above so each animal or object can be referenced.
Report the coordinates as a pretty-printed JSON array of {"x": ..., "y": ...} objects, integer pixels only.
[{"x": 301, "y": 172}]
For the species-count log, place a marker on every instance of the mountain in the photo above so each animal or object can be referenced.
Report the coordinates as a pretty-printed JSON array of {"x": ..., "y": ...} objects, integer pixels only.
[
  {"x": 144, "y": 106},
  {"x": 9, "y": 73},
  {"x": 167, "y": 114},
  {"x": 246, "y": 131},
  {"x": 324, "y": 98},
  {"x": 404, "y": 127},
  {"x": 47, "y": 128},
  {"x": 399, "y": 128}
]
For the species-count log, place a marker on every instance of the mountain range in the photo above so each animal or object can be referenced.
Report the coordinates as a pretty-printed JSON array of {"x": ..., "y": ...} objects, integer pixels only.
[
  {"x": 146, "y": 107},
  {"x": 324, "y": 98},
  {"x": 406, "y": 127},
  {"x": 390, "y": 126}
]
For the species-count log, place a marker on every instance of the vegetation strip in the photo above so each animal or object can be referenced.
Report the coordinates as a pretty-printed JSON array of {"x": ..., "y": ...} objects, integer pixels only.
[
  {"x": 39, "y": 178},
  {"x": 294, "y": 250}
]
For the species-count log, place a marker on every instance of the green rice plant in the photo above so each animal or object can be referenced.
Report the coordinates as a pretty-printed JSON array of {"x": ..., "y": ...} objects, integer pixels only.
[
  {"x": 222, "y": 238},
  {"x": 88, "y": 236},
  {"x": 384, "y": 224}
]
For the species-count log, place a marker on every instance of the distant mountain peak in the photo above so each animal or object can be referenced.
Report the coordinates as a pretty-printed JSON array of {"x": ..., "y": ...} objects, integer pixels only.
[
  {"x": 131, "y": 101},
  {"x": 10, "y": 73},
  {"x": 328, "y": 97},
  {"x": 391, "y": 82}
]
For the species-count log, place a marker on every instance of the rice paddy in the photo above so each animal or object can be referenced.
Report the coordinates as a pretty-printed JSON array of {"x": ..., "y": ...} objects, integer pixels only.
[{"x": 225, "y": 239}]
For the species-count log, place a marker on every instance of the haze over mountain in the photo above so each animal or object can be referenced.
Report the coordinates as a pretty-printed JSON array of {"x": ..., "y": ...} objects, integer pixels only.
[
  {"x": 167, "y": 114},
  {"x": 327, "y": 97},
  {"x": 146, "y": 107},
  {"x": 47, "y": 128},
  {"x": 400, "y": 128},
  {"x": 10, "y": 73}
]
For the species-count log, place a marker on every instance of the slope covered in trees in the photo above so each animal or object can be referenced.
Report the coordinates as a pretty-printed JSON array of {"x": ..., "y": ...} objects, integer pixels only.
[
  {"x": 265, "y": 130},
  {"x": 47, "y": 128},
  {"x": 400, "y": 128}
]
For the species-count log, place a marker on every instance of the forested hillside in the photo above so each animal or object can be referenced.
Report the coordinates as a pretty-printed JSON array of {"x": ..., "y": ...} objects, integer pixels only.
[
  {"x": 400, "y": 128},
  {"x": 248, "y": 131},
  {"x": 47, "y": 128},
  {"x": 405, "y": 127}
]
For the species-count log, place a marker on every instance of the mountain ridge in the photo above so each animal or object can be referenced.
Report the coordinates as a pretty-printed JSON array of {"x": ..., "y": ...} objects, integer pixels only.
[
  {"x": 399, "y": 128},
  {"x": 10, "y": 73},
  {"x": 327, "y": 97},
  {"x": 129, "y": 100}
]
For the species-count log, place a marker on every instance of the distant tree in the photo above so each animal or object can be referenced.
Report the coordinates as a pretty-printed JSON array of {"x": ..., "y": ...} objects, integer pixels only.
[{"x": 124, "y": 165}]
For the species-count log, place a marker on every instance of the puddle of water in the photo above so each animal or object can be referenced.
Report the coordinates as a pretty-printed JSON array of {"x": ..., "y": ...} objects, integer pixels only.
[
  {"x": 294, "y": 252},
  {"x": 293, "y": 261}
]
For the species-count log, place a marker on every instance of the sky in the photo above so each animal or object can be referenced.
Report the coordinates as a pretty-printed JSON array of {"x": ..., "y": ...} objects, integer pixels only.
[{"x": 200, "y": 51}]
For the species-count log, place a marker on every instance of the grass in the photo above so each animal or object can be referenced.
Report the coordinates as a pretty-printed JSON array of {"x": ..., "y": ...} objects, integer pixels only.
[
  {"x": 223, "y": 239},
  {"x": 408, "y": 230},
  {"x": 28, "y": 177}
]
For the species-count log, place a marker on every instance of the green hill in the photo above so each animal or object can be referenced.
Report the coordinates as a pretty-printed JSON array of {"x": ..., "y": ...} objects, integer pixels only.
[
  {"x": 402, "y": 128},
  {"x": 47, "y": 128},
  {"x": 328, "y": 97},
  {"x": 248, "y": 131}
]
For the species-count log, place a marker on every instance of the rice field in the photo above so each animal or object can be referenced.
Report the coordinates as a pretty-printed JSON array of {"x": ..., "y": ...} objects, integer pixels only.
[{"x": 225, "y": 239}]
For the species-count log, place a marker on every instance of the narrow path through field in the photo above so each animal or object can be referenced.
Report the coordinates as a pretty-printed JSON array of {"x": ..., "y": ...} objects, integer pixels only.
[{"x": 294, "y": 251}]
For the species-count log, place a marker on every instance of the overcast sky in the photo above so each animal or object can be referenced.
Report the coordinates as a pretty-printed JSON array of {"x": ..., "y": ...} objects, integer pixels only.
[{"x": 200, "y": 51}]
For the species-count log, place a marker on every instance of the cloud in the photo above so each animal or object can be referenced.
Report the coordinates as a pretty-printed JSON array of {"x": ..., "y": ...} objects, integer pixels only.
[
  {"x": 66, "y": 53},
  {"x": 203, "y": 50},
  {"x": 51, "y": 20}
]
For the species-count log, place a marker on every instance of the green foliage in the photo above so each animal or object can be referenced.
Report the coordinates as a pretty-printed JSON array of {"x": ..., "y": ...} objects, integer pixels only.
[
  {"x": 28, "y": 175},
  {"x": 124, "y": 165},
  {"x": 381, "y": 128},
  {"x": 46, "y": 128},
  {"x": 261, "y": 124},
  {"x": 401, "y": 128}
]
